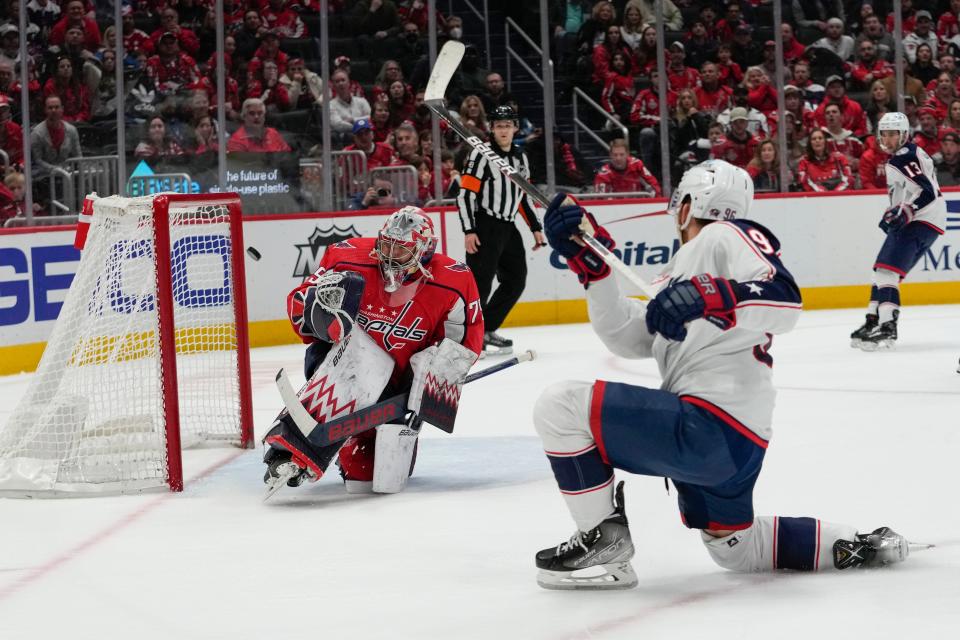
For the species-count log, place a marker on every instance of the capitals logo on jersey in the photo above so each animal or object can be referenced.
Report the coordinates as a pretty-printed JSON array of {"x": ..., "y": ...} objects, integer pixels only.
[{"x": 396, "y": 332}]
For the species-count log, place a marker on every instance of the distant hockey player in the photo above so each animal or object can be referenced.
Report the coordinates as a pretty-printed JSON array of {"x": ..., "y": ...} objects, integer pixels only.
[
  {"x": 917, "y": 215},
  {"x": 710, "y": 328},
  {"x": 420, "y": 307}
]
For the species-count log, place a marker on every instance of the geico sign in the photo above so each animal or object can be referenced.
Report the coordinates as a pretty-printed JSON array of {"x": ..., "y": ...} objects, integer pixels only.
[{"x": 126, "y": 278}]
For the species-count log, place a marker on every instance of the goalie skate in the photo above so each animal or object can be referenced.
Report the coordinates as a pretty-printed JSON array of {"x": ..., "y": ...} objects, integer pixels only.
[
  {"x": 881, "y": 547},
  {"x": 596, "y": 559}
]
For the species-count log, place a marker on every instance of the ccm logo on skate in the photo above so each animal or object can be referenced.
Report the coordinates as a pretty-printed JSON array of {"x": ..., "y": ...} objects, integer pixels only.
[{"x": 352, "y": 426}]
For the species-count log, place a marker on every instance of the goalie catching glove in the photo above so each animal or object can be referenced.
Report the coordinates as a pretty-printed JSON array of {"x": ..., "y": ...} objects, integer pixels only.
[
  {"x": 561, "y": 223},
  {"x": 713, "y": 299},
  {"x": 328, "y": 308},
  {"x": 438, "y": 374}
]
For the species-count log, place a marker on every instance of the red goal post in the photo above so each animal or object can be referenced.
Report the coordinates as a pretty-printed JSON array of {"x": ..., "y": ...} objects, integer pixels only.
[{"x": 149, "y": 354}]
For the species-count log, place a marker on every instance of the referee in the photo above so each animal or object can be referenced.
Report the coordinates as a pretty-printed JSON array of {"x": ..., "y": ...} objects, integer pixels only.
[{"x": 488, "y": 203}]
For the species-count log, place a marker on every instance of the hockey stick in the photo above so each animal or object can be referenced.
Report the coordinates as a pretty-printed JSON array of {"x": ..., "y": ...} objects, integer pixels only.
[
  {"x": 321, "y": 434},
  {"x": 443, "y": 69}
]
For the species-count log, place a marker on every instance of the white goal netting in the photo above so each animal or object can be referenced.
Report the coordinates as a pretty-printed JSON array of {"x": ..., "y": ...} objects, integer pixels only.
[{"x": 97, "y": 416}]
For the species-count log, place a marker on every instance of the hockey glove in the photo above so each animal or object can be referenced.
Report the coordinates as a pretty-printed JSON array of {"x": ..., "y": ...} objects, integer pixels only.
[
  {"x": 713, "y": 299},
  {"x": 563, "y": 221},
  {"x": 895, "y": 218},
  {"x": 328, "y": 308},
  {"x": 438, "y": 374}
]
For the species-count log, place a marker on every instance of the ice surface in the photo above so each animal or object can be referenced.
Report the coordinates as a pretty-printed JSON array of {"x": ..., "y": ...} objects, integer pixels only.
[{"x": 868, "y": 439}]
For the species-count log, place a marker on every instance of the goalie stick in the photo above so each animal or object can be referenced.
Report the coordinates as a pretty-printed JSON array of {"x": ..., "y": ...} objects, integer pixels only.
[
  {"x": 321, "y": 434},
  {"x": 443, "y": 69}
]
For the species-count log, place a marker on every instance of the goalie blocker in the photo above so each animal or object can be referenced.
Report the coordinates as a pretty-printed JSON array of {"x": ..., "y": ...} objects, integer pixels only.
[{"x": 414, "y": 326}]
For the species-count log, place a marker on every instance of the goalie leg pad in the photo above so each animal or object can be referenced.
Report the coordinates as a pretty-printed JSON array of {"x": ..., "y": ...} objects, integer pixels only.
[
  {"x": 800, "y": 544},
  {"x": 396, "y": 450},
  {"x": 438, "y": 374}
]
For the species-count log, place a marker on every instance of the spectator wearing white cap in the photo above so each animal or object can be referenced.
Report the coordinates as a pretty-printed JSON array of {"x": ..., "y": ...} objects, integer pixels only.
[
  {"x": 679, "y": 75},
  {"x": 922, "y": 34},
  {"x": 836, "y": 41},
  {"x": 814, "y": 14},
  {"x": 739, "y": 145},
  {"x": 756, "y": 121}
]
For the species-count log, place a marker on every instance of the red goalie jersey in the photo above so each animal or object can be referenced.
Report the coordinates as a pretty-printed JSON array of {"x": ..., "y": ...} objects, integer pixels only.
[{"x": 422, "y": 313}]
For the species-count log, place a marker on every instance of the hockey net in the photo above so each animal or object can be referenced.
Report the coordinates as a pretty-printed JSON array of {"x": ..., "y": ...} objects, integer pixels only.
[{"x": 149, "y": 353}]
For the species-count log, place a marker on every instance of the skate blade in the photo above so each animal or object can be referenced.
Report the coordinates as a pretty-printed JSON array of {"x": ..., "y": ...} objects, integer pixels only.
[
  {"x": 498, "y": 351},
  {"x": 919, "y": 546},
  {"x": 870, "y": 347},
  {"x": 600, "y": 577},
  {"x": 286, "y": 472}
]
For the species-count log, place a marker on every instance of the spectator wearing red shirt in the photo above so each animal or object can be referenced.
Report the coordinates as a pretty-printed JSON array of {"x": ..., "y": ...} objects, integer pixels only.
[
  {"x": 821, "y": 169},
  {"x": 73, "y": 94},
  {"x": 269, "y": 49},
  {"x": 284, "y": 21},
  {"x": 380, "y": 121},
  {"x": 793, "y": 50},
  {"x": 618, "y": 92},
  {"x": 603, "y": 54},
  {"x": 948, "y": 64},
  {"x": 873, "y": 162},
  {"x": 842, "y": 140},
  {"x": 726, "y": 27},
  {"x": 379, "y": 154},
  {"x": 760, "y": 93},
  {"x": 254, "y": 136},
  {"x": 76, "y": 15},
  {"x": 943, "y": 95},
  {"x": 928, "y": 137},
  {"x": 679, "y": 75},
  {"x": 264, "y": 83},
  {"x": 909, "y": 18},
  {"x": 170, "y": 23},
  {"x": 170, "y": 68},
  {"x": 645, "y": 111},
  {"x": 948, "y": 25},
  {"x": 869, "y": 67},
  {"x": 713, "y": 96},
  {"x": 853, "y": 116},
  {"x": 135, "y": 41},
  {"x": 624, "y": 173},
  {"x": 739, "y": 145},
  {"x": 11, "y": 134},
  {"x": 729, "y": 71}
]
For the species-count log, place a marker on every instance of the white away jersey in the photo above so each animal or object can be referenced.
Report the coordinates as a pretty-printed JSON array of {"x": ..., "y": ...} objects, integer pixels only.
[
  {"x": 728, "y": 369},
  {"x": 912, "y": 178}
]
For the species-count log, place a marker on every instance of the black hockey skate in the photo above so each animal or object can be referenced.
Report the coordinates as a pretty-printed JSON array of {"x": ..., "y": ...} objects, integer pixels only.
[
  {"x": 496, "y": 345},
  {"x": 290, "y": 458},
  {"x": 883, "y": 546},
  {"x": 883, "y": 336},
  {"x": 857, "y": 336},
  {"x": 595, "y": 559}
]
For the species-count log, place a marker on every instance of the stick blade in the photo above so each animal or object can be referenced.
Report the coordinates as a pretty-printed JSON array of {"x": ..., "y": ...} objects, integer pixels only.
[{"x": 443, "y": 69}]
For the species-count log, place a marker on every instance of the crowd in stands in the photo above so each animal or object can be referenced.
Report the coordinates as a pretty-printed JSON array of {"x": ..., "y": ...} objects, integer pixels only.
[{"x": 839, "y": 79}]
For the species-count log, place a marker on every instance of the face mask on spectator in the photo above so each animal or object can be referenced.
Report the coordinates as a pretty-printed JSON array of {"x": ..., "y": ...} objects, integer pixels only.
[{"x": 456, "y": 33}]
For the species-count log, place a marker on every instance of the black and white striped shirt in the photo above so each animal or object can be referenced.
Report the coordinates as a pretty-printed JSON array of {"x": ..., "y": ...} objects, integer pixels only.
[{"x": 484, "y": 190}]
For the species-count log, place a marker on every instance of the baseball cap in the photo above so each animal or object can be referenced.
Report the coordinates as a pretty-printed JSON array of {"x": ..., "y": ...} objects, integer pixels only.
[
  {"x": 909, "y": 98},
  {"x": 738, "y": 113},
  {"x": 8, "y": 28},
  {"x": 791, "y": 89},
  {"x": 127, "y": 10},
  {"x": 4, "y": 101},
  {"x": 951, "y": 134},
  {"x": 926, "y": 110},
  {"x": 168, "y": 34},
  {"x": 833, "y": 79},
  {"x": 923, "y": 13},
  {"x": 362, "y": 124},
  {"x": 836, "y": 21},
  {"x": 769, "y": 43},
  {"x": 677, "y": 44},
  {"x": 743, "y": 29}
]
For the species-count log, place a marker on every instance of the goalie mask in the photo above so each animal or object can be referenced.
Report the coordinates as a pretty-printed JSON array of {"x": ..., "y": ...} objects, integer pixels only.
[
  {"x": 717, "y": 190},
  {"x": 893, "y": 121},
  {"x": 405, "y": 245}
]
